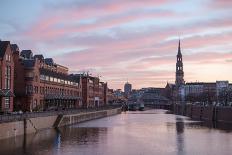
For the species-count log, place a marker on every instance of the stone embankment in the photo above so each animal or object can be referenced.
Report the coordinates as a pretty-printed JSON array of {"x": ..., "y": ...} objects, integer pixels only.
[
  {"x": 11, "y": 126},
  {"x": 204, "y": 113}
]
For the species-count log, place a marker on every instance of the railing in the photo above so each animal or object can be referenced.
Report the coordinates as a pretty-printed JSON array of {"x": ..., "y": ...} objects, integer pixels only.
[{"x": 19, "y": 117}]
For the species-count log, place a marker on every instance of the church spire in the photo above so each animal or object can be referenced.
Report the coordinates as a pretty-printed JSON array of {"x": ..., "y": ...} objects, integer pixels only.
[
  {"x": 179, "y": 68},
  {"x": 179, "y": 49}
]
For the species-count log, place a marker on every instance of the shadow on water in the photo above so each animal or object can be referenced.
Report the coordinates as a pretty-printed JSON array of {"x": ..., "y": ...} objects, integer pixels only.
[
  {"x": 27, "y": 144},
  {"x": 225, "y": 127},
  {"x": 50, "y": 141}
]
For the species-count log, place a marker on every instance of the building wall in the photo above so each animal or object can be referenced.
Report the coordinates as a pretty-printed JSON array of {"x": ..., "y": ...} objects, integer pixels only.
[
  {"x": 19, "y": 82},
  {"x": 33, "y": 125},
  {"x": 7, "y": 60},
  {"x": 94, "y": 92},
  {"x": 37, "y": 93}
]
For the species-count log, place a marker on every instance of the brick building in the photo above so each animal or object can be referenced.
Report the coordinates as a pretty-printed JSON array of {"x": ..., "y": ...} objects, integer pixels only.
[
  {"x": 7, "y": 77},
  {"x": 110, "y": 96},
  {"x": 41, "y": 84},
  {"x": 94, "y": 92}
]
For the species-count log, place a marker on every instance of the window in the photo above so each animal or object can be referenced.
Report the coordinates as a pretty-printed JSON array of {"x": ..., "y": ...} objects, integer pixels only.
[
  {"x": 52, "y": 79},
  {"x": 42, "y": 77},
  {"x": 29, "y": 74},
  {"x": 29, "y": 89},
  {"x": 8, "y": 57},
  {"x": 7, "y": 102},
  {"x": 47, "y": 78},
  {"x": 46, "y": 90},
  {"x": 7, "y": 77},
  {"x": 36, "y": 89},
  {"x": 35, "y": 103},
  {"x": 36, "y": 78}
]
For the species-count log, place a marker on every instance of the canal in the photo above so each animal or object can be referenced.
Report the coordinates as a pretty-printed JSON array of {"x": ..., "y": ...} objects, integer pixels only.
[{"x": 132, "y": 133}]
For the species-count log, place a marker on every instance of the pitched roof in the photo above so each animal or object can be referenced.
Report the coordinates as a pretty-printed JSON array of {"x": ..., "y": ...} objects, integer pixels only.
[
  {"x": 49, "y": 61},
  {"x": 14, "y": 47},
  {"x": 75, "y": 77},
  {"x": 29, "y": 63},
  {"x": 3, "y": 47},
  {"x": 26, "y": 54},
  {"x": 39, "y": 56},
  {"x": 47, "y": 72}
]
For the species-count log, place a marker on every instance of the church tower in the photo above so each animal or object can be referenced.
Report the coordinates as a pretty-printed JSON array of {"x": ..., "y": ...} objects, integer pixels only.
[{"x": 179, "y": 68}]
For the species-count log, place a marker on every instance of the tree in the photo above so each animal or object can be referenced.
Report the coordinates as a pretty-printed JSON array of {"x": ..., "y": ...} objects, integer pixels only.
[{"x": 225, "y": 96}]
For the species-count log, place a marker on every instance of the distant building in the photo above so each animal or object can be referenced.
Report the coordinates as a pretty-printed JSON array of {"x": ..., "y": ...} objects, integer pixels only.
[
  {"x": 221, "y": 86},
  {"x": 119, "y": 96},
  {"x": 205, "y": 90},
  {"x": 196, "y": 88},
  {"x": 127, "y": 88},
  {"x": 110, "y": 96},
  {"x": 94, "y": 92},
  {"x": 169, "y": 91}
]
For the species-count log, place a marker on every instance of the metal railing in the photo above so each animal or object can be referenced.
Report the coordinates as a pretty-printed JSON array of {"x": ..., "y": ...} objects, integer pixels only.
[{"x": 20, "y": 117}]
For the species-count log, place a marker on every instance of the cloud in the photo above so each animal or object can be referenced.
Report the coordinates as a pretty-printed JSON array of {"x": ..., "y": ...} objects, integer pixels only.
[{"x": 131, "y": 39}]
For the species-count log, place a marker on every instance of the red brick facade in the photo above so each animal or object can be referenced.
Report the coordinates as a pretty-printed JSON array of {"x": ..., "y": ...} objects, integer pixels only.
[
  {"x": 32, "y": 83},
  {"x": 94, "y": 92},
  {"x": 43, "y": 85},
  {"x": 6, "y": 77}
]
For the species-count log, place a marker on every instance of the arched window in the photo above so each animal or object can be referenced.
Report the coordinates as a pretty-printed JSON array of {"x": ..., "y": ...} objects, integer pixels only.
[{"x": 35, "y": 103}]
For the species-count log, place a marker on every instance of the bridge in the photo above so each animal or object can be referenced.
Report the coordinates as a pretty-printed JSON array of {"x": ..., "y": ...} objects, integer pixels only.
[
  {"x": 160, "y": 106},
  {"x": 137, "y": 105}
]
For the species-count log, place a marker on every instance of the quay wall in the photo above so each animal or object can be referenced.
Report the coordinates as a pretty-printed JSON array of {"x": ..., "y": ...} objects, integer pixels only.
[
  {"x": 224, "y": 114},
  {"x": 33, "y": 125},
  {"x": 77, "y": 118},
  {"x": 204, "y": 113}
]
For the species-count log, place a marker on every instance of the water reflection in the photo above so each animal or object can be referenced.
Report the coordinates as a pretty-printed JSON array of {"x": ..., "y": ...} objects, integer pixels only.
[
  {"x": 50, "y": 141},
  {"x": 81, "y": 136},
  {"x": 148, "y": 132},
  {"x": 180, "y": 135}
]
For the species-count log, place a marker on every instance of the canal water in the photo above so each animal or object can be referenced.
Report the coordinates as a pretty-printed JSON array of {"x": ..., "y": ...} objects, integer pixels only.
[{"x": 132, "y": 133}]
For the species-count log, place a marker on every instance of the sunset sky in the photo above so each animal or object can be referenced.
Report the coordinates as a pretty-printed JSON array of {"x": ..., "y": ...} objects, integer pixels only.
[{"x": 126, "y": 39}]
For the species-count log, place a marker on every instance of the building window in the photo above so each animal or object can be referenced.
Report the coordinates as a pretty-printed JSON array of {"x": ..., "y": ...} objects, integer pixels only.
[
  {"x": 36, "y": 89},
  {"x": 47, "y": 78},
  {"x": 35, "y": 103},
  {"x": 7, "y": 102},
  {"x": 29, "y": 74},
  {"x": 8, "y": 57},
  {"x": 7, "y": 77},
  {"x": 42, "y": 77},
  {"x": 36, "y": 78},
  {"x": 29, "y": 89}
]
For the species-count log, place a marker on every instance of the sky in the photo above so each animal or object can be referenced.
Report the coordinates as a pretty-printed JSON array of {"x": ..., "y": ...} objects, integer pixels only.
[{"x": 120, "y": 40}]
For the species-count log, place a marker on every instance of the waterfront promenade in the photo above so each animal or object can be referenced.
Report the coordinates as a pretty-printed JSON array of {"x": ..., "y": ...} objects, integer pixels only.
[{"x": 20, "y": 117}]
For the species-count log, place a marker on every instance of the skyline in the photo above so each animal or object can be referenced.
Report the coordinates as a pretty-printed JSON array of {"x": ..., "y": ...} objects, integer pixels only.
[{"x": 142, "y": 37}]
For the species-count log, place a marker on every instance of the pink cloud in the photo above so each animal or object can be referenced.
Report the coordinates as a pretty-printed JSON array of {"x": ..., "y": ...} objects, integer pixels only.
[{"x": 128, "y": 52}]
